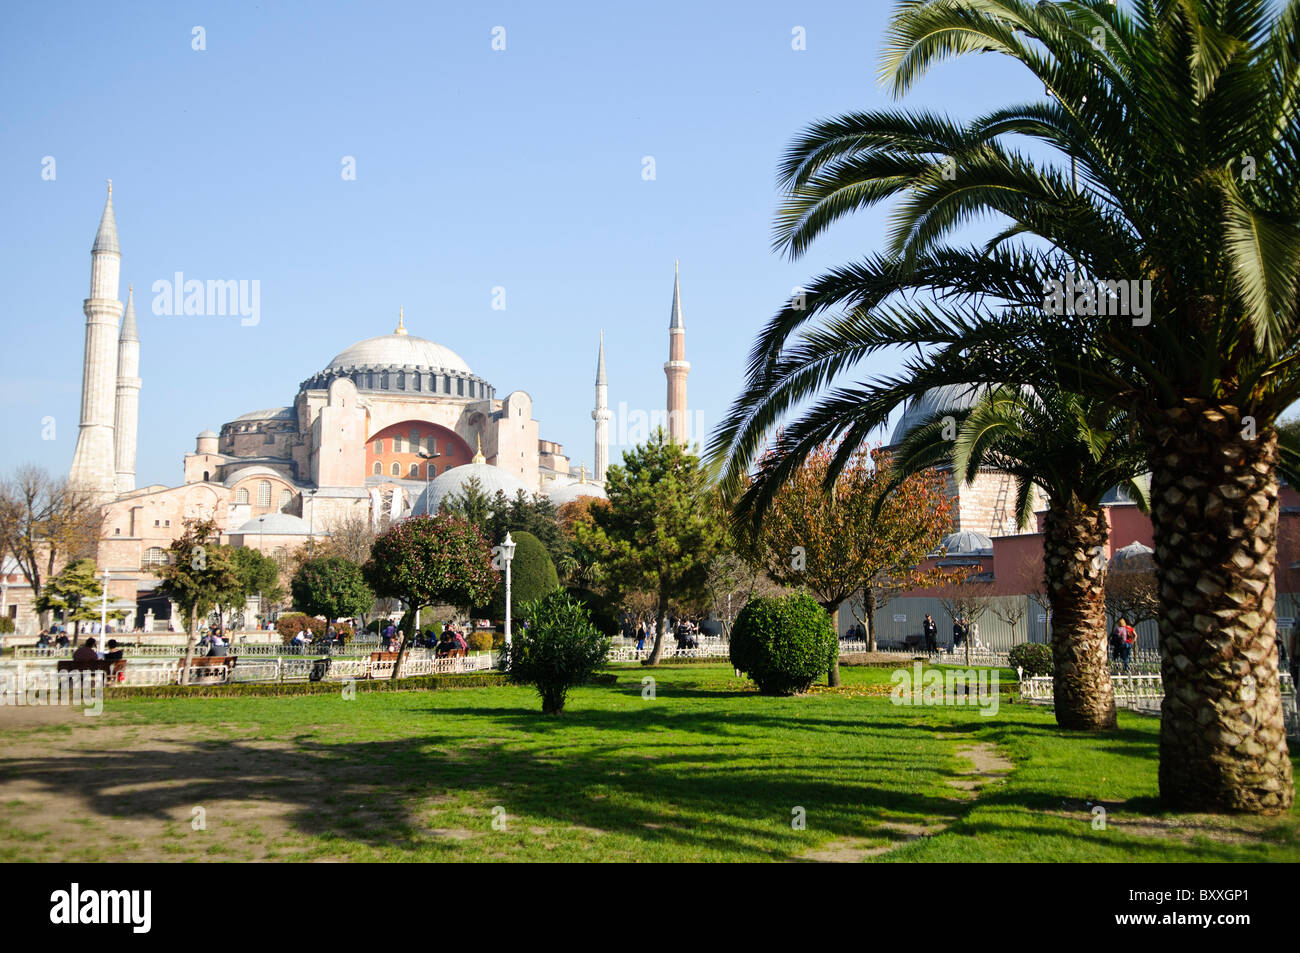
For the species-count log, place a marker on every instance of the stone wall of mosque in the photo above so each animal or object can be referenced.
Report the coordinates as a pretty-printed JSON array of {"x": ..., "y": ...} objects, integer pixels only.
[{"x": 988, "y": 505}]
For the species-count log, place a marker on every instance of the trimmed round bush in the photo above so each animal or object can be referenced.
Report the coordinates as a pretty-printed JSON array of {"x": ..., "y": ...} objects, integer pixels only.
[
  {"x": 1034, "y": 658},
  {"x": 480, "y": 641},
  {"x": 532, "y": 576},
  {"x": 783, "y": 643}
]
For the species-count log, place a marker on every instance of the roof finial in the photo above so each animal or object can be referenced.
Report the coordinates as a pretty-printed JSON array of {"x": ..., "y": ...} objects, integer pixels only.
[
  {"x": 110, "y": 188},
  {"x": 401, "y": 321},
  {"x": 478, "y": 457}
]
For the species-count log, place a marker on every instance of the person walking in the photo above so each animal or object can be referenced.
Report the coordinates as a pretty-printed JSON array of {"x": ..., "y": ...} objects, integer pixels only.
[
  {"x": 1125, "y": 638},
  {"x": 959, "y": 632},
  {"x": 930, "y": 629}
]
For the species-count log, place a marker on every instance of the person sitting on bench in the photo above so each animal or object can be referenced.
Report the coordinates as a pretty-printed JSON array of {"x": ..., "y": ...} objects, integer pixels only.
[
  {"x": 114, "y": 654},
  {"x": 217, "y": 647},
  {"x": 86, "y": 653}
]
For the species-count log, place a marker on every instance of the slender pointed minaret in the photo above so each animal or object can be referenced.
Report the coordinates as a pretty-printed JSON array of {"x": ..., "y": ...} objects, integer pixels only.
[
  {"x": 601, "y": 415},
  {"x": 126, "y": 423},
  {"x": 93, "y": 463},
  {"x": 677, "y": 367}
]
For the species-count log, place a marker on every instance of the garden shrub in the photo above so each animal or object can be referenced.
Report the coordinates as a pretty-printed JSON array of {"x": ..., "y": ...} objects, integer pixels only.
[
  {"x": 783, "y": 643},
  {"x": 291, "y": 622},
  {"x": 532, "y": 576},
  {"x": 480, "y": 641},
  {"x": 6, "y": 625},
  {"x": 560, "y": 648},
  {"x": 1034, "y": 658}
]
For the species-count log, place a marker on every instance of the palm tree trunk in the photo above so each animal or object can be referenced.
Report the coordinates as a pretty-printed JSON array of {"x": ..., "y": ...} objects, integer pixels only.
[
  {"x": 1074, "y": 540},
  {"x": 1214, "y": 515}
]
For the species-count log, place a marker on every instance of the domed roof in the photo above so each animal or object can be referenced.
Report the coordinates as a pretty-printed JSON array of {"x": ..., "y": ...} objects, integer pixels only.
[
  {"x": 967, "y": 543},
  {"x": 271, "y": 413},
  {"x": 206, "y": 434},
  {"x": 400, "y": 349},
  {"x": 937, "y": 400},
  {"x": 490, "y": 480},
  {"x": 1135, "y": 557},
  {"x": 276, "y": 524},
  {"x": 567, "y": 492},
  {"x": 243, "y": 473}
]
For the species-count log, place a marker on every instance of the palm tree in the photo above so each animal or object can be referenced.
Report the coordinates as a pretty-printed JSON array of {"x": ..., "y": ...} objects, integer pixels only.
[
  {"x": 1075, "y": 451},
  {"x": 1178, "y": 118}
]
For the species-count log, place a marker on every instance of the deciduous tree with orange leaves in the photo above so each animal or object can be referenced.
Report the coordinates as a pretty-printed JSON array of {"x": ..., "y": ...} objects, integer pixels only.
[{"x": 836, "y": 542}]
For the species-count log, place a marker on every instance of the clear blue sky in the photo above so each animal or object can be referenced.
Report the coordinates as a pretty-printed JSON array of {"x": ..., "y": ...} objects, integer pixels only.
[{"x": 474, "y": 169}]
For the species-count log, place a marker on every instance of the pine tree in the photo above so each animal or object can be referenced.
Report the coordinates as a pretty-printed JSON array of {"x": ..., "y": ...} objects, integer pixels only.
[{"x": 655, "y": 536}]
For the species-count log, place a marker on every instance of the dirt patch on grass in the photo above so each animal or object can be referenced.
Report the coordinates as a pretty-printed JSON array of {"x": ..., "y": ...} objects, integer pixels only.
[{"x": 987, "y": 766}]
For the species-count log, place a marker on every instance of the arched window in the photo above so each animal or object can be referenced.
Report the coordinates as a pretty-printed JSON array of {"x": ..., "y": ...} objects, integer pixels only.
[
  {"x": 264, "y": 493},
  {"x": 205, "y": 476},
  {"x": 397, "y": 444},
  {"x": 379, "y": 468},
  {"x": 415, "y": 381},
  {"x": 401, "y": 380},
  {"x": 460, "y": 387},
  {"x": 415, "y": 470},
  {"x": 241, "y": 495},
  {"x": 383, "y": 381},
  {"x": 286, "y": 497},
  {"x": 155, "y": 556},
  {"x": 379, "y": 446},
  {"x": 397, "y": 469},
  {"x": 370, "y": 380},
  {"x": 415, "y": 439}
]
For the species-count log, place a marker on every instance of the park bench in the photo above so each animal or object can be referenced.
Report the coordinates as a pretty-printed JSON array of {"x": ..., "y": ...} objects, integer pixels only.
[
  {"x": 209, "y": 670},
  {"x": 914, "y": 643},
  {"x": 112, "y": 670}
]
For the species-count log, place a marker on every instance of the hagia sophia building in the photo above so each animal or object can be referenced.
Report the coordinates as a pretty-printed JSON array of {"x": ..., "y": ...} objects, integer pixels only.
[{"x": 388, "y": 428}]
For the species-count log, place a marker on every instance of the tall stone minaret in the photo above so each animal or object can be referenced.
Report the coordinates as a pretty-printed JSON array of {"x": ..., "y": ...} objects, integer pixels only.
[
  {"x": 93, "y": 463},
  {"x": 126, "y": 423},
  {"x": 601, "y": 415},
  {"x": 677, "y": 367}
]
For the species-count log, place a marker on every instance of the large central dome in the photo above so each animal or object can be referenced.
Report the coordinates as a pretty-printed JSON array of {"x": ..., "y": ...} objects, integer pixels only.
[{"x": 401, "y": 350}]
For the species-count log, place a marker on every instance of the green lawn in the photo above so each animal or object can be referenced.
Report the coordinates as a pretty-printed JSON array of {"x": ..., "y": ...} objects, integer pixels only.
[{"x": 708, "y": 770}]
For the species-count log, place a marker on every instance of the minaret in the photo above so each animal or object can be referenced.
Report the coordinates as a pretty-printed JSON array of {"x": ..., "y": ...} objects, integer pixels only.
[
  {"x": 93, "y": 464},
  {"x": 677, "y": 367},
  {"x": 601, "y": 415},
  {"x": 126, "y": 423}
]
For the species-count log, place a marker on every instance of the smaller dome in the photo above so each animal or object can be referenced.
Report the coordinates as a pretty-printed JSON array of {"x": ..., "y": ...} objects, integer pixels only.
[
  {"x": 490, "y": 480},
  {"x": 935, "y": 401},
  {"x": 207, "y": 435},
  {"x": 271, "y": 413},
  {"x": 967, "y": 543},
  {"x": 568, "y": 492},
  {"x": 244, "y": 473},
  {"x": 1135, "y": 557},
  {"x": 276, "y": 524}
]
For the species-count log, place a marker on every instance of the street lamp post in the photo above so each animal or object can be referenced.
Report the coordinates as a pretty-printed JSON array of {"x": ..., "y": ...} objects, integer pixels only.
[
  {"x": 427, "y": 456},
  {"x": 103, "y": 608},
  {"x": 508, "y": 554}
]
